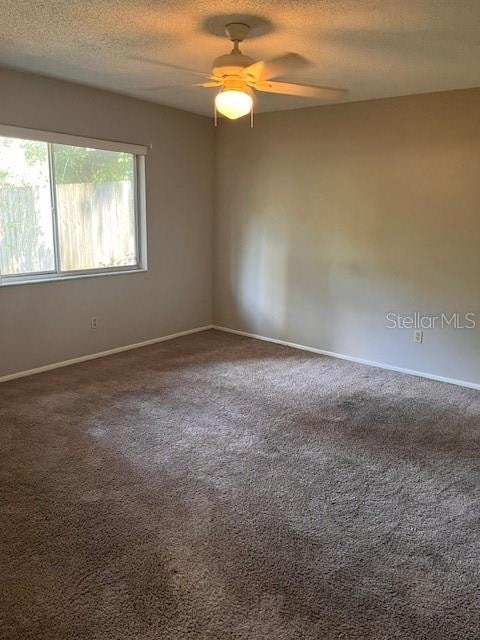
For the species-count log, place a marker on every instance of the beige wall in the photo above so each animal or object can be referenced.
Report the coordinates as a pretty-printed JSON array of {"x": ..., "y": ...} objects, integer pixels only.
[
  {"x": 328, "y": 218},
  {"x": 50, "y": 322}
]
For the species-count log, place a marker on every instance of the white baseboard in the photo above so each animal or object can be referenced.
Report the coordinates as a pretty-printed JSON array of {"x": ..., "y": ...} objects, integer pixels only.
[
  {"x": 322, "y": 352},
  {"x": 371, "y": 363},
  {"x": 101, "y": 354}
]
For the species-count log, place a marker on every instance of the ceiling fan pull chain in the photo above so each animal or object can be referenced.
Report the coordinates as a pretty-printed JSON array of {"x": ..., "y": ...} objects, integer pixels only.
[{"x": 251, "y": 118}]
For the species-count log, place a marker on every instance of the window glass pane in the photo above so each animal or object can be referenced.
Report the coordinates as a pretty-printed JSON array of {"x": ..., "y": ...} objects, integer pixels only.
[
  {"x": 95, "y": 205},
  {"x": 26, "y": 227}
]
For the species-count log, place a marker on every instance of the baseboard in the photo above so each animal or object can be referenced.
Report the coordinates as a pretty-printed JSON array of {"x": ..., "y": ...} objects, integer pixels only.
[
  {"x": 341, "y": 356},
  {"x": 322, "y": 352},
  {"x": 101, "y": 354}
]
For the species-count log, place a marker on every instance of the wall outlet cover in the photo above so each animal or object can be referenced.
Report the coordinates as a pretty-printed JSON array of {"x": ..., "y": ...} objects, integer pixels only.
[{"x": 418, "y": 336}]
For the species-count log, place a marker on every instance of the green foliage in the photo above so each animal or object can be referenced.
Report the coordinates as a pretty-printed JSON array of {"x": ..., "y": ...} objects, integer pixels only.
[
  {"x": 79, "y": 164},
  {"x": 35, "y": 152},
  {"x": 4, "y": 178}
]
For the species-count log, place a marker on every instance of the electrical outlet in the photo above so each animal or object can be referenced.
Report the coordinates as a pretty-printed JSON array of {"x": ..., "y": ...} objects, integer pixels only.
[
  {"x": 93, "y": 323},
  {"x": 418, "y": 336}
]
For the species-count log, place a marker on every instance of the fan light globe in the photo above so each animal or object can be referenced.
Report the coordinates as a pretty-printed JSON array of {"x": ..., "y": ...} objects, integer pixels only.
[{"x": 233, "y": 103}]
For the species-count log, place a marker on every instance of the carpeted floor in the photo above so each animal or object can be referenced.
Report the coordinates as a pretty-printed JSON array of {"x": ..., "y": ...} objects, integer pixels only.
[{"x": 217, "y": 487}]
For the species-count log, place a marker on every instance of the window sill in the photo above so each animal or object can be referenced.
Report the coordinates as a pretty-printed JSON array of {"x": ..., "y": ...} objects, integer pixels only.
[{"x": 12, "y": 282}]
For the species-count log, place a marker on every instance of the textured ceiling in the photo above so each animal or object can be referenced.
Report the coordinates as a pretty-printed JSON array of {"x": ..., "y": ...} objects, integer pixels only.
[{"x": 375, "y": 48}]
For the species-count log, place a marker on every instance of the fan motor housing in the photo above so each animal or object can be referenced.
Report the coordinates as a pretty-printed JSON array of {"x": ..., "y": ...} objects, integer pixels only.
[{"x": 230, "y": 64}]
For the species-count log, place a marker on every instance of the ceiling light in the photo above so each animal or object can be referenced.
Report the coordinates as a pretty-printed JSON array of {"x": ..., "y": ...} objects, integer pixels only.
[{"x": 234, "y": 103}]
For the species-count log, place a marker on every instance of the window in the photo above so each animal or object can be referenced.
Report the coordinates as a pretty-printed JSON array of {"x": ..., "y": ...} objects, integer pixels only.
[
  {"x": 26, "y": 223},
  {"x": 69, "y": 209}
]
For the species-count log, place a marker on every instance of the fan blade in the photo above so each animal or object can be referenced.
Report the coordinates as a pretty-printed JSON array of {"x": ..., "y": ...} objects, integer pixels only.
[
  {"x": 207, "y": 85},
  {"x": 303, "y": 90},
  {"x": 213, "y": 83},
  {"x": 168, "y": 65},
  {"x": 281, "y": 65},
  {"x": 169, "y": 86}
]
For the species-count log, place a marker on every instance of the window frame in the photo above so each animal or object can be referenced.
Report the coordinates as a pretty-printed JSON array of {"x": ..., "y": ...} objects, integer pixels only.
[{"x": 138, "y": 152}]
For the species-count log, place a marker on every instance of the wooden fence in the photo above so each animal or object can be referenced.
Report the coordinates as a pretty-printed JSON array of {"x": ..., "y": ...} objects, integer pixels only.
[{"x": 96, "y": 227}]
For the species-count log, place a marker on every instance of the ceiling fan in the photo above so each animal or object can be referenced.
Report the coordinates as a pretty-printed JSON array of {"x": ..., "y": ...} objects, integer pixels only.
[{"x": 238, "y": 76}]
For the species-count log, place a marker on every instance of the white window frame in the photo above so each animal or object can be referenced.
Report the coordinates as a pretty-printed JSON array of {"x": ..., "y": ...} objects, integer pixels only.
[{"x": 139, "y": 153}]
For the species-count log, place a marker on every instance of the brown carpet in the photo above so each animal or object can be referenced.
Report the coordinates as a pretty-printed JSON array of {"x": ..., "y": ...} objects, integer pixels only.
[{"x": 217, "y": 487}]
